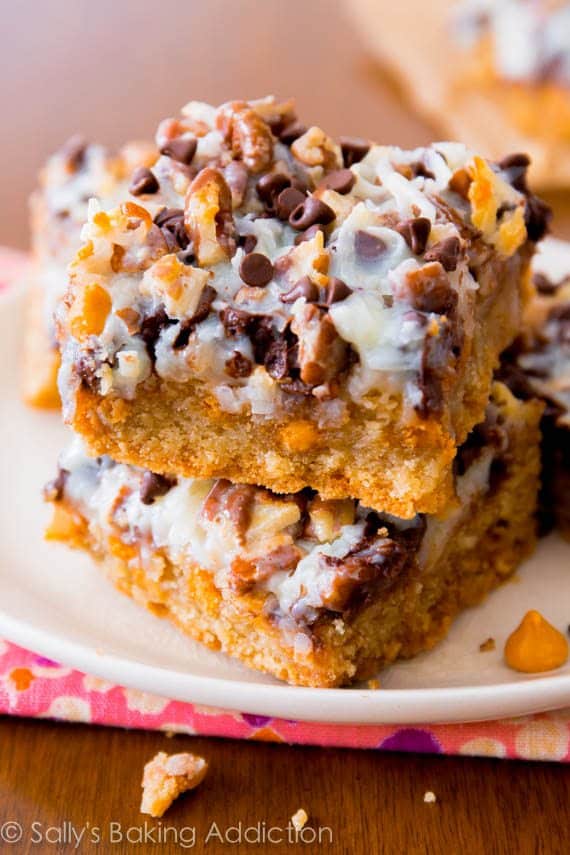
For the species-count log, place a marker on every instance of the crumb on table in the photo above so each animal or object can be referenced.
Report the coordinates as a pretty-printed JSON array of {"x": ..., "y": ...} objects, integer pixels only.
[
  {"x": 166, "y": 776},
  {"x": 429, "y": 797},
  {"x": 299, "y": 819},
  {"x": 487, "y": 645}
]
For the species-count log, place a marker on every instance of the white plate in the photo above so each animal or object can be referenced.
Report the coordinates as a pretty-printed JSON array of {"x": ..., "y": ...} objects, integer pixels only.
[{"x": 56, "y": 603}]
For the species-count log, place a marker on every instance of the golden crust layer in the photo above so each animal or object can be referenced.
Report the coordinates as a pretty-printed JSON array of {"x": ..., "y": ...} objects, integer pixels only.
[
  {"x": 180, "y": 428},
  {"x": 484, "y": 548}
]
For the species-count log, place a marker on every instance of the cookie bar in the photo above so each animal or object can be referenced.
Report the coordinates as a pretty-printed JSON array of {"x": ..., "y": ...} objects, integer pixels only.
[
  {"x": 316, "y": 592},
  {"x": 288, "y": 310},
  {"x": 494, "y": 73},
  {"x": 538, "y": 365},
  {"x": 74, "y": 174}
]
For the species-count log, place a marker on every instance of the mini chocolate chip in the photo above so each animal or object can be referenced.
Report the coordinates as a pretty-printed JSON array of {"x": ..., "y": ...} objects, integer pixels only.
[
  {"x": 415, "y": 232},
  {"x": 516, "y": 165},
  {"x": 446, "y": 252},
  {"x": 340, "y": 180},
  {"x": 181, "y": 149},
  {"x": 537, "y": 218},
  {"x": 247, "y": 242},
  {"x": 202, "y": 311},
  {"x": 292, "y": 132},
  {"x": 353, "y": 149},
  {"x": 336, "y": 291},
  {"x": 171, "y": 221},
  {"x": 544, "y": 285},
  {"x": 256, "y": 269},
  {"x": 419, "y": 169},
  {"x": 143, "y": 181},
  {"x": 303, "y": 288},
  {"x": 269, "y": 186},
  {"x": 186, "y": 256},
  {"x": 309, "y": 234},
  {"x": 518, "y": 159},
  {"x": 152, "y": 327},
  {"x": 153, "y": 486},
  {"x": 309, "y": 212},
  {"x": 368, "y": 247},
  {"x": 238, "y": 365},
  {"x": 286, "y": 202}
]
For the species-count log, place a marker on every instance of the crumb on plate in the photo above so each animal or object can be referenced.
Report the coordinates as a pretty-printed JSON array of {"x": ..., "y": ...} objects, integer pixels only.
[
  {"x": 487, "y": 645},
  {"x": 299, "y": 819},
  {"x": 429, "y": 797}
]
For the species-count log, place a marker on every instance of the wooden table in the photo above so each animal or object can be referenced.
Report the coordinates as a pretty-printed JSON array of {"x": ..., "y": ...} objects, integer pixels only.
[{"x": 112, "y": 70}]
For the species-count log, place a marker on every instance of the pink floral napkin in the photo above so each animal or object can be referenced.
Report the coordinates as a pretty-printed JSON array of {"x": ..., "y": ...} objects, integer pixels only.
[{"x": 31, "y": 685}]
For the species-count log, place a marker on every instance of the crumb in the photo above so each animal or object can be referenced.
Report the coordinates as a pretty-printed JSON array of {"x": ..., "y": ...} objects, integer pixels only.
[
  {"x": 166, "y": 776},
  {"x": 373, "y": 684},
  {"x": 487, "y": 645},
  {"x": 299, "y": 819},
  {"x": 429, "y": 797}
]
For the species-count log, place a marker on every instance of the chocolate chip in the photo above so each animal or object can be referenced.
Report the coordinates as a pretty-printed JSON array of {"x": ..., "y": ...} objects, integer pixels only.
[
  {"x": 153, "y": 486},
  {"x": 292, "y": 132},
  {"x": 286, "y": 202},
  {"x": 544, "y": 285},
  {"x": 303, "y": 288},
  {"x": 256, "y": 270},
  {"x": 537, "y": 218},
  {"x": 152, "y": 327},
  {"x": 436, "y": 297},
  {"x": 437, "y": 369},
  {"x": 415, "y": 232},
  {"x": 247, "y": 242},
  {"x": 235, "y": 321},
  {"x": 181, "y": 149},
  {"x": 354, "y": 149},
  {"x": 186, "y": 256},
  {"x": 238, "y": 365},
  {"x": 309, "y": 234},
  {"x": 340, "y": 180},
  {"x": 310, "y": 212},
  {"x": 143, "y": 181},
  {"x": 269, "y": 186},
  {"x": 74, "y": 151},
  {"x": 187, "y": 327},
  {"x": 516, "y": 165},
  {"x": 419, "y": 169},
  {"x": 368, "y": 247},
  {"x": 446, "y": 252},
  {"x": 171, "y": 222},
  {"x": 53, "y": 490},
  {"x": 336, "y": 291}
]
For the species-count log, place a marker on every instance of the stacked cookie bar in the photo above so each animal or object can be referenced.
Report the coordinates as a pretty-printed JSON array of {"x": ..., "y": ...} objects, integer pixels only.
[
  {"x": 278, "y": 357},
  {"x": 74, "y": 174}
]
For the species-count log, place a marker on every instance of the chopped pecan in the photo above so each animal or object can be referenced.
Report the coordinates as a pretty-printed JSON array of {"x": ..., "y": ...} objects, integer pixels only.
[
  {"x": 429, "y": 290},
  {"x": 315, "y": 148},
  {"x": 250, "y": 137},
  {"x": 246, "y": 573},
  {"x": 322, "y": 354},
  {"x": 371, "y": 566},
  {"x": 208, "y": 217},
  {"x": 230, "y": 501}
]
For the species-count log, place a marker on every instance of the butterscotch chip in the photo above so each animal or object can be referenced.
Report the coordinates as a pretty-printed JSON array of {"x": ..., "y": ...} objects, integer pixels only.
[
  {"x": 166, "y": 776},
  {"x": 299, "y": 436}
]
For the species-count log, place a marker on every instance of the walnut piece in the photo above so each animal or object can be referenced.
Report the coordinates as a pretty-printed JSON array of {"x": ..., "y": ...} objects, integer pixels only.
[{"x": 166, "y": 776}]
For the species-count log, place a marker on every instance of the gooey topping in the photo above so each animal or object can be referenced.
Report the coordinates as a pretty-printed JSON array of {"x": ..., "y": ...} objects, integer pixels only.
[{"x": 273, "y": 261}]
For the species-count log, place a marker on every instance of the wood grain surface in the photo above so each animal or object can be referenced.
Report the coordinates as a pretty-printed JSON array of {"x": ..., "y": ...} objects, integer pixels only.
[{"x": 111, "y": 70}]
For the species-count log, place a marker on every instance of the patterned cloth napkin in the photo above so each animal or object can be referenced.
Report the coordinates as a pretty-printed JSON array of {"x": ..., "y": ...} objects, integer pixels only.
[{"x": 31, "y": 685}]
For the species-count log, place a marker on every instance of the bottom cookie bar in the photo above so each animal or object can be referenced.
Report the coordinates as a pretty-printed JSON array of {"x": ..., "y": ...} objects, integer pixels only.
[
  {"x": 538, "y": 365},
  {"x": 318, "y": 593}
]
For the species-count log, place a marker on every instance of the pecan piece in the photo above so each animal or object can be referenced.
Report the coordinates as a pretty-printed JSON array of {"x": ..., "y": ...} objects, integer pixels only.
[
  {"x": 208, "y": 217},
  {"x": 315, "y": 148},
  {"x": 245, "y": 574},
  {"x": 230, "y": 501},
  {"x": 322, "y": 354},
  {"x": 249, "y": 136}
]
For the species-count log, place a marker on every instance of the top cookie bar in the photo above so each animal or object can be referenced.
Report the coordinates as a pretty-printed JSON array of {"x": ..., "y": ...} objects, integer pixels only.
[{"x": 281, "y": 308}]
